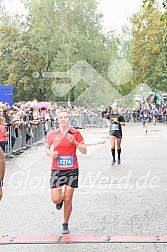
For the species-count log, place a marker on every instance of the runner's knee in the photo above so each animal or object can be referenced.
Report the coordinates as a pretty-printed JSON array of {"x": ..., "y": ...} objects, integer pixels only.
[
  {"x": 67, "y": 200},
  {"x": 56, "y": 199}
]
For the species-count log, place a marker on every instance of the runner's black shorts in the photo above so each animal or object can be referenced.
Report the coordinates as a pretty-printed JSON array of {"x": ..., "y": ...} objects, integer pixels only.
[
  {"x": 116, "y": 134},
  {"x": 64, "y": 177}
]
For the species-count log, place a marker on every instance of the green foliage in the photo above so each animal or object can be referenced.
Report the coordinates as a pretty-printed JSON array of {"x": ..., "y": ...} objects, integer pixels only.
[
  {"x": 149, "y": 49},
  {"x": 53, "y": 37},
  {"x": 64, "y": 32},
  {"x": 56, "y": 34},
  {"x": 150, "y": 3}
]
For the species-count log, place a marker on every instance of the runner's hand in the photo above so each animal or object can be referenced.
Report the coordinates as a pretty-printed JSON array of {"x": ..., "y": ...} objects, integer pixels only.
[
  {"x": 115, "y": 120},
  {"x": 55, "y": 154},
  {"x": 70, "y": 138}
]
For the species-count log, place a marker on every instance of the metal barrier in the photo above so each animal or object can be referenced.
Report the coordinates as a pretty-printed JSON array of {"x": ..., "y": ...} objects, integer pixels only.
[
  {"x": 35, "y": 131},
  {"x": 88, "y": 120},
  {"x": 26, "y": 136}
]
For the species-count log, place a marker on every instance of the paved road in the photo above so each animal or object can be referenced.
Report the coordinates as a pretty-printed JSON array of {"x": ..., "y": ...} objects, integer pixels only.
[{"x": 125, "y": 200}]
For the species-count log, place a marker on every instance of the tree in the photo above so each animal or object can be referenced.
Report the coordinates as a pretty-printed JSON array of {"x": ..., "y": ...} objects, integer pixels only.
[
  {"x": 148, "y": 51},
  {"x": 150, "y": 3},
  {"x": 64, "y": 32},
  {"x": 18, "y": 61},
  {"x": 52, "y": 38}
]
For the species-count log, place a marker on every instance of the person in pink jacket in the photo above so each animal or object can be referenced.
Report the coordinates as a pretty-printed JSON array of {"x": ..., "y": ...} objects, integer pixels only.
[
  {"x": 2, "y": 171},
  {"x": 3, "y": 134}
]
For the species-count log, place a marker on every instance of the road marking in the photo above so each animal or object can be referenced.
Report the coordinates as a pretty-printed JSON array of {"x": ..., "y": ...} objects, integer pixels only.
[
  {"x": 81, "y": 239},
  {"x": 84, "y": 239}
]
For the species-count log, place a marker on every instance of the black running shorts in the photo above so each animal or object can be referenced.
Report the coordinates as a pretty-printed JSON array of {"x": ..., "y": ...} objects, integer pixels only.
[
  {"x": 64, "y": 177},
  {"x": 116, "y": 134}
]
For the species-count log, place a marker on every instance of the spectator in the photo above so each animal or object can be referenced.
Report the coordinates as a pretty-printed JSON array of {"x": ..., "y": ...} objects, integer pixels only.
[
  {"x": 10, "y": 121},
  {"x": 2, "y": 171},
  {"x": 3, "y": 134}
]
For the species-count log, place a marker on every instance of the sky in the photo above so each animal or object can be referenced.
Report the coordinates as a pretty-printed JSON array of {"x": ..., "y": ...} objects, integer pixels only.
[{"x": 116, "y": 12}]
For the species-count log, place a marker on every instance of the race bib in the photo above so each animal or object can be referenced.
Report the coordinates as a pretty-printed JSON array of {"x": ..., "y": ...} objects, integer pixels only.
[
  {"x": 65, "y": 161},
  {"x": 115, "y": 127}
]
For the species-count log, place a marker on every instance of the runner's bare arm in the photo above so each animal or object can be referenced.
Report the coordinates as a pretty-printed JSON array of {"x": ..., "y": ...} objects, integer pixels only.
[
  {"x": 122, "y": 123},
  {"x": 81, "y": 147},
  {"x": 50, "y": 153}
]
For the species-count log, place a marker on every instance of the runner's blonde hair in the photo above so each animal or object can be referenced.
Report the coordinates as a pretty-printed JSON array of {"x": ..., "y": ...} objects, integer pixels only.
[{"x": 63, "y": 110}]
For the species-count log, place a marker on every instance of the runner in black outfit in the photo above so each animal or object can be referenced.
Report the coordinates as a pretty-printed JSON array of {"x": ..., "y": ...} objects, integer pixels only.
[{"x": 115, "y": 132}]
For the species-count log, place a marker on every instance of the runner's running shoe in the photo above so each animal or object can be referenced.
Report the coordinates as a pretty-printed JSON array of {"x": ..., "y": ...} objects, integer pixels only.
[
  {"x": 119, "y": 161},
  {"x": 59, "y": 205},
  {"x": 113, "y": 162},
  {"x": 65, "y": 229}
]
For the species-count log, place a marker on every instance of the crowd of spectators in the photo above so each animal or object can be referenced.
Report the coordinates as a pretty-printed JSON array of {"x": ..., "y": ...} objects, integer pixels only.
[{"x": 29, "y": 114}]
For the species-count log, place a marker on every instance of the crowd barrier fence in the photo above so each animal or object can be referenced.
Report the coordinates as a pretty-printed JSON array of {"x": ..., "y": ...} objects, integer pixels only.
[{"x": 35, "y": 133}]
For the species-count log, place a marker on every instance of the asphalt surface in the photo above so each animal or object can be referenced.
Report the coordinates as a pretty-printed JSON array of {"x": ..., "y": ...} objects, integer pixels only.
[{"x": 121, "y": 200}]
